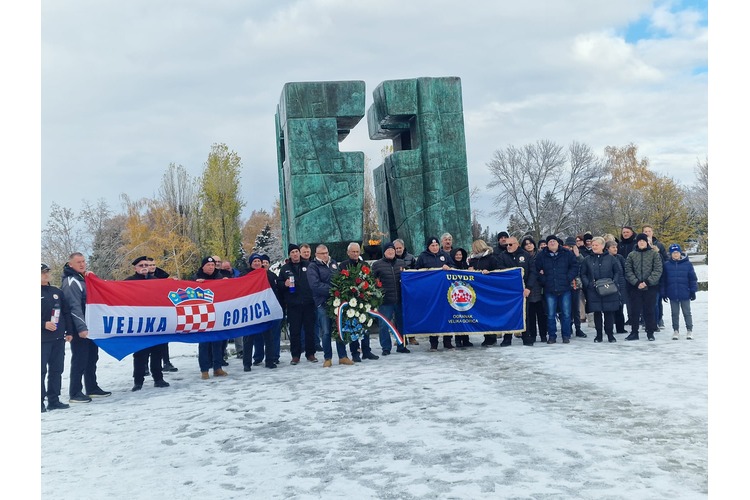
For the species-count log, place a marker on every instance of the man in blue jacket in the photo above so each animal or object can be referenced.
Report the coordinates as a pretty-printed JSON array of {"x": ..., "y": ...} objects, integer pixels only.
[{"x": 557, "y": 268}]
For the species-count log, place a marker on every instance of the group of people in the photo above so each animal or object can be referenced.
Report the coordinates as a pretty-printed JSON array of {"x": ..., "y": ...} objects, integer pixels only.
[{"x": 564, "y": 281}]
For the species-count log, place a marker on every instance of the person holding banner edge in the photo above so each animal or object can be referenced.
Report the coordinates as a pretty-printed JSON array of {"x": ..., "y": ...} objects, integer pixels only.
[
  {"x": 433, "y": 257},
  {"x": 210, "y": 354},
  {"x": 388, "y": 271}
]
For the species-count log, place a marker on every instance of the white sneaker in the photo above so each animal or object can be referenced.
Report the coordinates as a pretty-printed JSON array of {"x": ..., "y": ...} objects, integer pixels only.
[
  {"x": 689, "y": 335},
  {"x": 676, "y": 335}
]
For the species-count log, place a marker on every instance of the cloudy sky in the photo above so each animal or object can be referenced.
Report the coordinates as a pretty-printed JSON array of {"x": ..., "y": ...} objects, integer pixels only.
[{"x": 129, "y": 87}]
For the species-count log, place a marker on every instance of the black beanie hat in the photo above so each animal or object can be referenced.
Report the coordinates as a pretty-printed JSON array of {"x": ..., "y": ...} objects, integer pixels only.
[
  {"x": 570, "y": 241},
  {"x": 503, "y": 234},
  {"x": 586, "y": 237},
  {"x": 641, "y": 236},
  {"x": 139, "y": 259},
  {"x": 206, "y": 260},
  {"x": 388, "y": 245},
  {"x": 291, "y": 247},
  {"x": 552, "y": 237},
  {"x": 431, "y": 240}
]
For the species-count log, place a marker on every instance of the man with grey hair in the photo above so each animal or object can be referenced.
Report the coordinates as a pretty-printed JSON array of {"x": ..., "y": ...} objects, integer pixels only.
[
  {"x": 403, "y": 254},
  {"x": 353, "y": 251},
  {"x": 446, "y": 242}
]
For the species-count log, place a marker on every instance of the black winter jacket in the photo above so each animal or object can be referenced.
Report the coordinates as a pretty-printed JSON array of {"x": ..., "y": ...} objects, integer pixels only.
[
  {"x": 388, "y": 271},
  {"x": 519, "y": 258},
  {"x": 74, "y": 290},
  {"x": 429, "y": 260},
  {"x": 597, "y": 266},
  {"x": 303, "y": 293},
  {"x": 53, "y": 300}
]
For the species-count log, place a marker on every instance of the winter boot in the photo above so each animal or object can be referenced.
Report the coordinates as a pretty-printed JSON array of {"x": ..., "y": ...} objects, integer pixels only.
[
  {"x": 345, "y": 361},
  {"x": 327, "y": 363},
  {"x": 447, "y": 343},
  {"x": 632, "y": 336},
  {"x": 220, "y": 373},
  {"x": 676, "y": 335},
  {"x": 650, "y": 336},
  {"x": 689, "y": 335},
  {"x": 611, "y": 338},
  {"x": 413, "y": 341},
  {"x": 507, "y": 340},
  {"x": 598, "y": 337}
]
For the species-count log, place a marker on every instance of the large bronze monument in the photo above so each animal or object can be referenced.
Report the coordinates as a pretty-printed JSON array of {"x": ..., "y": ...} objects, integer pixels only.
[{"x": 421, "y": 189}]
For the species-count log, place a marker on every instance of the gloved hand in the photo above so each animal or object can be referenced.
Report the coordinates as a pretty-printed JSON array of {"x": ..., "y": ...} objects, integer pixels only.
[
  {"x": 692, "y": 295},
  {"x": 665, "y": 299}
]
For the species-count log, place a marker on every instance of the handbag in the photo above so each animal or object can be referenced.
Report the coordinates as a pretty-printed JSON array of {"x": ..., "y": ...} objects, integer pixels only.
[{"x": 605, "y": 286}]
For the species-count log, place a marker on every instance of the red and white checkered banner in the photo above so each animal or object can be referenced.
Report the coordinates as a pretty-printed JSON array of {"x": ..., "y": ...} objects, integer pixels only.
[{"x": 126, "y": 316}]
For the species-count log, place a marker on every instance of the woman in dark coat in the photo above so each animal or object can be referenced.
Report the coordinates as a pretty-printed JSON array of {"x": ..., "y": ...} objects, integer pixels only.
[
  {"x": 612, "y": 248},
  {"x": 435, "y": 257},
  {"x": 596, "y": 266},
  {"x": 460, "y": 261},
  {"x": 483, "y": 259},
  {"x": 535, "y": 313}
]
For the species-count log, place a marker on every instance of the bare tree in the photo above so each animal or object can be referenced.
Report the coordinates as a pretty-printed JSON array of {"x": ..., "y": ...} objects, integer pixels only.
[
  {"x": 106, "y": 232},
  {"x": 543, "y": 187},
  {"x": 177, "y": 191},
  {"x": 61, "y": 237}
]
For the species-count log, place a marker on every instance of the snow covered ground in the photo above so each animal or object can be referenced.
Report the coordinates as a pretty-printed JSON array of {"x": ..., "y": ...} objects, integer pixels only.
[{"x": 583, "y": 420}]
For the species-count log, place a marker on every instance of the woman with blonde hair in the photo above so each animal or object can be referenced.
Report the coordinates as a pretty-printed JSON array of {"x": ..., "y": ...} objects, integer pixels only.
[{"x": 483, "y": 259}]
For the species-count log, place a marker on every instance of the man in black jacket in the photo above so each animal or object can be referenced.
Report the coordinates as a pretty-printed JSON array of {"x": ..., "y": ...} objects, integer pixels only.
[
  {"x": 56, "y": 323},
  {"x": 300, "y": 306},
  {"x": 515, "y": 256},
  {"x": 388, "y": 271},
  {"x": 84, "y": 352},
  {"x": 156, "y": 353},
  {"x": 557, "y": 269},
  {"x": 159, "y": 273}
]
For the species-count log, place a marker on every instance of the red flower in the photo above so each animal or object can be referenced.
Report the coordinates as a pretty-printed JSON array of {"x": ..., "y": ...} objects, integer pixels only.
[
  {"x": 361, "y": 295},
  {"x": 365, "y": 285},
  {"x": 345, "y": 272},
  {"x": 365, "y": 270},
  {"x": 358, "y": 281},
  {"x": 379, "y": 284},
  {"x": 337, "y": 293},
  {"x": 353, "y": 290}
]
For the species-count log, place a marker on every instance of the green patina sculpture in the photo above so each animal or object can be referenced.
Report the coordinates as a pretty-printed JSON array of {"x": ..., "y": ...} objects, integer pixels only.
[
  {"x": 422, "y": 188},
  {"x": 321, "y": 188}
]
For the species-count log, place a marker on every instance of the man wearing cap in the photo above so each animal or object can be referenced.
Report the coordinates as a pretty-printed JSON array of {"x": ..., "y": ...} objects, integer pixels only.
[
  {"x": 300, "y": 306},
  {"x": 259, "y": 346},
  {"x": 643, "y": 269},
  {"x": 502, "y": 242},
  {"x": 557, "y": 268},
  {"x": 210, "y": 354},
  {"x": 56, "y": 325},
  {"x": 679, "y": 286},
  {"x": 84, "y": 352},
  {"x": 155, "y": 353},
  {"x": 388, "y": 271},
  {"x": 155, "y": 272}
]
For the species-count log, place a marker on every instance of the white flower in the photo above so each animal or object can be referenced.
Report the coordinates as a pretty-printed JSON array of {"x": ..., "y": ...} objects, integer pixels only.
[
  {"x": 368, "y": 307},
  {"x": 362, "y": 318},
  {"x": 336, "y": 302},
  {"x": 369, "y": 323},
  {"x": 353, "y": 302},
  {"x": 350, "y": 313}
]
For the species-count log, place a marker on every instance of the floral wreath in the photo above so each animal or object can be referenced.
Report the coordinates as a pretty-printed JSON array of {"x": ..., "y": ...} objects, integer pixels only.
[{"x": 354, "y": 293}]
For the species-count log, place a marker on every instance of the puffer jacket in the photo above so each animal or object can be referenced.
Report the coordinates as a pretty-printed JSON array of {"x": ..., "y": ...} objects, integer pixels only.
[
  {"x": 597, "y": 266},
  {"x": 388, "y": 271},
  {"x": 74, "y": 290},
  {"x": 679, "y": 279},
  {"x": 643, "y": 265},
  {"x": 556, "y": 272}
]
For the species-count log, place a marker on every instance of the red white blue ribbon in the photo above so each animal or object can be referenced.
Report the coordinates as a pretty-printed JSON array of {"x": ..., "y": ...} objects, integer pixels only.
[{"x": 371, "y": 312}]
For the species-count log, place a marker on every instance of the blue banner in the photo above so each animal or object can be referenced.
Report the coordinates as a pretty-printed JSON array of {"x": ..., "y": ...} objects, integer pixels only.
[{"x": 460, "y": 302}]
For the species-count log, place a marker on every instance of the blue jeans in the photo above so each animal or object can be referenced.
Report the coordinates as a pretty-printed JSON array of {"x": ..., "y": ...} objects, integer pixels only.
[
  {"x": 210, "y": 355},
  {"x": 559, "y": 303},
  {"x": 324, "y": 327},
  {"x": 393, "y": 313}
]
